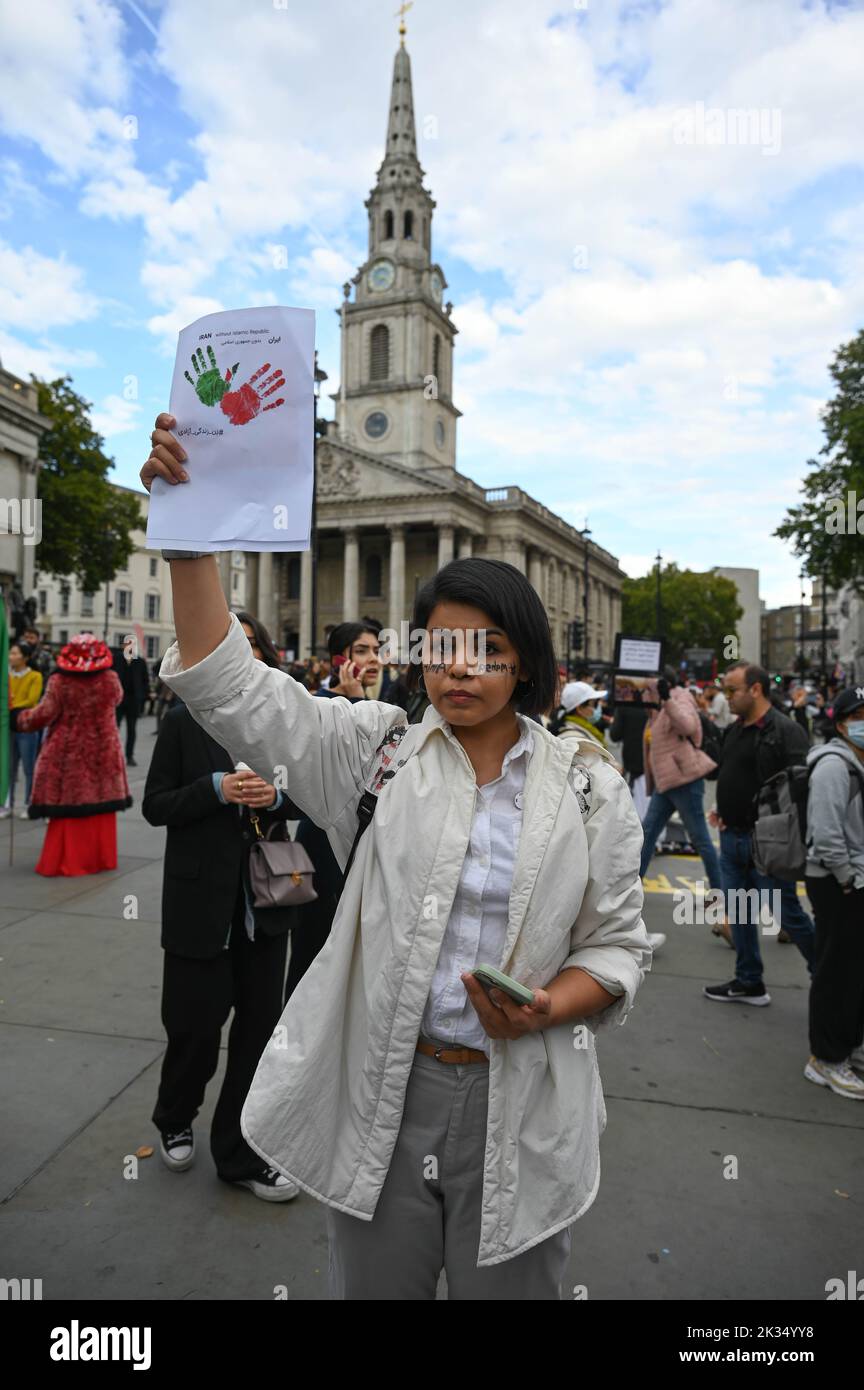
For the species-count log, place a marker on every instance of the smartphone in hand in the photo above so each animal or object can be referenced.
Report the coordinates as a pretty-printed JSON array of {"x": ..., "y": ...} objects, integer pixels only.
[{"x": 490, "y": 978}]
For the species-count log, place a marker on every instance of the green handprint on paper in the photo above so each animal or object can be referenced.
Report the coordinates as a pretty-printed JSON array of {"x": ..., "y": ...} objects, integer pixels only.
[{"x": 209, "y": 384}]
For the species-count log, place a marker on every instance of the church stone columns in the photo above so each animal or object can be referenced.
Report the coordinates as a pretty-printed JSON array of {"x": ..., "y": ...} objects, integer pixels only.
[
  {"x": 265, "y": 607},
  {"x": 535, "y": 571},
  {"x": 465, "y": 544},
  {"x": 397, "y": 575},
  {"x": 305, "y": 603},
  {"x": 351, "y": 583},
  {"x": 224, "y": 562},
  {"x": 445, "y": 545}
]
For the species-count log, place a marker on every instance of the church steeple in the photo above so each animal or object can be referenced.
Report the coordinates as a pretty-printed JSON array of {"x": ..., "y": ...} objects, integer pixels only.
[
  {"x": 397, "y": 333},
  {"x": 400, "y": 153}
]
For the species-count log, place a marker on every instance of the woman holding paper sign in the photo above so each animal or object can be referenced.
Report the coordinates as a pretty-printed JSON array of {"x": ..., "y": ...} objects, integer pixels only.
[{"x": 443, "y": 1128}]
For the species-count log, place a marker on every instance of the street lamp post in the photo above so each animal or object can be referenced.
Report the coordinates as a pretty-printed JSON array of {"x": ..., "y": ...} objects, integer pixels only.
[
  {"x": 109, "y": 548},
  {"x": 320, "y": 426},
  {"x": 802, "y": 663},
  {"x": 824, "y": 661},
  {"x": 585, "y": 533},
  {"x": 659, "y": 609}
]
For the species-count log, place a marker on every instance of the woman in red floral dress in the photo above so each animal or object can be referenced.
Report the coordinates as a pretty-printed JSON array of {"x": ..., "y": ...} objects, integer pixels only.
[{"x": 80, "y": 779}]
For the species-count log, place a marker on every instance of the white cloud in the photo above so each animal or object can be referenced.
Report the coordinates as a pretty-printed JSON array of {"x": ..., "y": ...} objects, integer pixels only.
[
  {"x": 116, "y": 416},
  {"x": 38, "y": 292},
  {"x": 46, "y": 359}
]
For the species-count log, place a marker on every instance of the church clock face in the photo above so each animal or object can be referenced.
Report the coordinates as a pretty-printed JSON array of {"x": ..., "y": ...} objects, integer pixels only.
[
  {"x": 377, "y": 424},
  {"x": 436, "y": 285},
  {"x": 381, "y": 275}
]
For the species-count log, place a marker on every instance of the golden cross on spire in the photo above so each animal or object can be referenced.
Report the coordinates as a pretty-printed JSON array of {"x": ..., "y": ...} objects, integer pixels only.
[{"x": 400, "y": 14}]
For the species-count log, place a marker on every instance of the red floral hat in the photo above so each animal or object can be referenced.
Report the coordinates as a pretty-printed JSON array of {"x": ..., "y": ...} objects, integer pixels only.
[{"x": 85, "y": 653}]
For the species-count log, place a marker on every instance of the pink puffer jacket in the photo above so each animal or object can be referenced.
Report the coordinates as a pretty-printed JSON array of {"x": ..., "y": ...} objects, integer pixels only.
[{"x": 671, "y": 758}]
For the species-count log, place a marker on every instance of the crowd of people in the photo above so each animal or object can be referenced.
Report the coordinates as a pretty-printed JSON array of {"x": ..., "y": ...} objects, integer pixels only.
[{"x": 449, "y": 817}]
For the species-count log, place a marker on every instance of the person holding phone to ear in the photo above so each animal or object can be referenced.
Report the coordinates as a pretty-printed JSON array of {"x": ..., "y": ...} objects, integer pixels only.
[
  {"x": 354, "y": 661},
  {"x": 442, "y": 1128}
]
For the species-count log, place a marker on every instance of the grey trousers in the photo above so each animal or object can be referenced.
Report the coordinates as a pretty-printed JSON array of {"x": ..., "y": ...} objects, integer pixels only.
[{"x": 428, "y": 1214}]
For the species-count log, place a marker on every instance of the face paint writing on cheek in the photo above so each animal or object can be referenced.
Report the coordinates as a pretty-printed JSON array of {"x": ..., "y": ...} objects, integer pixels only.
[{"x": 489, "y": 668}]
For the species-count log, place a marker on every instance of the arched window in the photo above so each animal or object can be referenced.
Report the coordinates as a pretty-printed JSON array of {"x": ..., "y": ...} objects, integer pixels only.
[
  {"x": 379, "y": 353},
  {"x": 408, "y": 232},
  {"x": 388, "y": 226},
  {"x": 436, "y": 356},
  {"x": 373, "y": 576}
]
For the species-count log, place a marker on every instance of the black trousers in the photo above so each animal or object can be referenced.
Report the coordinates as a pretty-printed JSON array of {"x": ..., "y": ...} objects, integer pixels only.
[
  {"x": 131, "y": 717},
  {"x": 197, "y": 997},
  {"x": 837, "y": 991}
]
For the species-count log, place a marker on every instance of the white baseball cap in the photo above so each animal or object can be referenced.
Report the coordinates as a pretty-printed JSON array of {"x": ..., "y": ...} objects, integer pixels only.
[{"x": 576, "y": 693}]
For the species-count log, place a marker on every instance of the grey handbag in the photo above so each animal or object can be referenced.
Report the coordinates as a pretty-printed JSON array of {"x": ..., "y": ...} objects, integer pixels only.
[{"x": 280, "y": 870}]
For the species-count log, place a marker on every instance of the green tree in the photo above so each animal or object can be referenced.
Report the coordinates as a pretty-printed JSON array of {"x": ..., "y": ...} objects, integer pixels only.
[
  {"x": 698, "y": 610},
  {"x": 86, "y": 523},
  {"x": 818, "y": 527}
]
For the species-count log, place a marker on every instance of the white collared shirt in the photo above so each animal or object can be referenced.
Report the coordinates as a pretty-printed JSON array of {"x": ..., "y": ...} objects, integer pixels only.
[{"x": 477, "y": 925}]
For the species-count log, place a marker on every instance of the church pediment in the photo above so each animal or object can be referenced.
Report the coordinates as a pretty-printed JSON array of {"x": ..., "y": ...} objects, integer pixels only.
[{"x": 345, "y": 472}]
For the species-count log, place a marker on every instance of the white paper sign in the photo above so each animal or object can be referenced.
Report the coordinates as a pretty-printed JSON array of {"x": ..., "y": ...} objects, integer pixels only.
[
  {"x": 639, "y": 654},
  {"x": 243, "y": 398}
]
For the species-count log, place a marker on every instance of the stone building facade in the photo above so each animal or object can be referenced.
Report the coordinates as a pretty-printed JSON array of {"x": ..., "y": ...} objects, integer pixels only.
[
  {"x": 21, "y": 426},
  {"x": 391, "y": 505}
]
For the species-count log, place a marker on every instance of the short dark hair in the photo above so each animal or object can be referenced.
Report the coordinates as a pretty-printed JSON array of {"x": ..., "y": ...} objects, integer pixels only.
[
  {"x": 346, "y": 634},
  {"x": 31, "y": 627},
  {"x": 513, "y": 604},
  {"x": 753, "y": 674},
  {"x": 25, "y": 648},
  {"x": 263, "y": 640}
]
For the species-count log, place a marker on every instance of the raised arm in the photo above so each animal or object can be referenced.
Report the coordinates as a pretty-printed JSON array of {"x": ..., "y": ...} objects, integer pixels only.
[
  {"x": 200, "y": 611},
  {"x": 318, "y": 751}
]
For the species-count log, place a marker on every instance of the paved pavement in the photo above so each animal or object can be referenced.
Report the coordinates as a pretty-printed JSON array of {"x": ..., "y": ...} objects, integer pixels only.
[{"x": 690, "y": 1085}]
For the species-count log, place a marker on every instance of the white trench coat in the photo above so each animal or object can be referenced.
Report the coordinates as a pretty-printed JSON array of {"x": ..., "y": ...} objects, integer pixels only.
[{"x": 326, "y": 1102}]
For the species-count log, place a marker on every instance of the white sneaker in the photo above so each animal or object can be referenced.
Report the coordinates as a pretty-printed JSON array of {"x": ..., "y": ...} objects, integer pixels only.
[
  {"x": 270, "y": 1185},
  {"x": 24, "y": 815},
  {"x": 4, "y": 812},
  {"x": 857, "y": 1058},
  {"x": 657, "y": 939},
  {"x": 838, "y": 1075},
  {"x": 178, "y": 1150}
]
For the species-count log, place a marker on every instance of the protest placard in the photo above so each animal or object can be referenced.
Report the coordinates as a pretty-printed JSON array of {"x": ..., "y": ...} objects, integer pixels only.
[{"x": 242, "y": 395}]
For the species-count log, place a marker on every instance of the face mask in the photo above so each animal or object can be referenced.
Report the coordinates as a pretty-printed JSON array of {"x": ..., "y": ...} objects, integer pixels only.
[
  {"x": 596, "y": 715},
  {"x": 855, "y": 733}
]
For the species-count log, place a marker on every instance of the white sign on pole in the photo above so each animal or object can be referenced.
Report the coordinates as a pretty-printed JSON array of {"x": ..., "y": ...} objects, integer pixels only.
[{"x": 638, "y": 654}]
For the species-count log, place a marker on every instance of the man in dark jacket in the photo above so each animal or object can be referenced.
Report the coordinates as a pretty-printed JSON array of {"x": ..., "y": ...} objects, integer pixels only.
[
  {"x": 135, "y": 680},
  {"x": 220, "y": 950},
  {"x": 762, "y": 742}
]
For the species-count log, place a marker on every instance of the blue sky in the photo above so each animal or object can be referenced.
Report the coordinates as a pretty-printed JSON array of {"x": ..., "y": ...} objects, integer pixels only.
[{"x": 648, "y": 293}]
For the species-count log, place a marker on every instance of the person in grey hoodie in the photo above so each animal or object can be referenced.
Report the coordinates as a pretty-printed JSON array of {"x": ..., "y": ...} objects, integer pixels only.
[{"x": 835, "y": 884}]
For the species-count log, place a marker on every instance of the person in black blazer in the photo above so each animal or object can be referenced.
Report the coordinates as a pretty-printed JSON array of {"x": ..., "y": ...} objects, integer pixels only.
[
  {"x": 135, "y": 680},
  {"x": 220, "y": 950}
]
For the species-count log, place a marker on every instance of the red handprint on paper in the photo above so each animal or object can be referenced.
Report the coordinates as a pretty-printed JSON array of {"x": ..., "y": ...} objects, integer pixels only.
[{"x": 244, "y": 404}]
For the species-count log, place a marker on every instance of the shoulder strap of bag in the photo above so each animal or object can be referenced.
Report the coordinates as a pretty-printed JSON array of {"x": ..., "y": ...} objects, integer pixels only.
[{"x": 366, "y": 807}]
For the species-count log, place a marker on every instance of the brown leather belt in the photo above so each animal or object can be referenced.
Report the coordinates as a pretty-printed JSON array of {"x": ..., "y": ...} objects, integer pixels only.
[{"x": 452, "y": 1055}]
